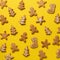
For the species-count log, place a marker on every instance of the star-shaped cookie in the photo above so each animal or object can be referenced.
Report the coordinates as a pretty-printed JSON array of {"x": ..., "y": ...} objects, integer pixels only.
[
  {"x": 4, "y": 35},
  {"x": 41, "y": 3},
  {"x": 40, "y": 20},
  {"x": 45, "y": 43}
]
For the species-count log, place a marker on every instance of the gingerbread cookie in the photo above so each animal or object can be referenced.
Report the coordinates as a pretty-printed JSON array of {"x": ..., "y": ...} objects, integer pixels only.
[
  {"x": 23, "y": 20},
  {"x": 3, "y": 3},
  {"x": 48, "y": 31},
  {"x": 57, "y": 19},
  {"x": 14, "y": 47},
  {"x": 45, "y": 44},
  {"x": 34, "y": 43},
  {"x": 40, "y": 20},
  {"x": 13, "y": 30},
  {"x": 32, "y": 12},
  {"x": 3, "y": 48},
  {"x": 42, "y": 55},
  {"x": 56, "y": 41},
  {"x": 3, "y": 20},
  {"x": 21, "y": 5},
  {"x": 9, "y": 57},
  {"x": 11, "y": 12},
  {"x": 58, "y": 53},
  {"x": 26, "y": 52},
  {"x": 58, "y": 30},
  {"x": 52, "y": 9},
  {"x": 41, "y": 3},
  {"x": 23, "y": 37},
  {"x": 4, "y": 35},
  {"x": 33, "y": 29}
]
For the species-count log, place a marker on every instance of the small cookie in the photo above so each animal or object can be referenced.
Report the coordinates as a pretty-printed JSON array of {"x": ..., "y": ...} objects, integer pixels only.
[
  {"x": 57, "y": 19},
  {"x": 9, "y": 57},
  {"x": 40, "y": 20},
  {"x": 21, "y": 5},
  {"x": 4, "y": 35},
  {"x": 58, "y": 30},
  {"x": 52, "y": 9},
  {"x": 32, "y": 12},
  {"x": 11, "y": 12},
  {"x": 56, "y": 41},
  {"x": 42, "y": 55},
  {"x": 48, "y": 31},
  {"x": 3, "y": 20},
  {"x": 41, "y": 3},
  {"x": 58, "y": 53},
  {"x": 45, "y": 43},
  {"x": 14, "y": 47},
  {"x": 23, "y": 37},
  {"x": 3, "y": 48},
  {"x": 3, "y": 4},
  {"x": 26, "y": 52},
  {"x": 34, "y": 43},
  {"x": 13, "y": 30},
  {"x": 23, "y": 20},
  {"x": 33, "y": 29}
]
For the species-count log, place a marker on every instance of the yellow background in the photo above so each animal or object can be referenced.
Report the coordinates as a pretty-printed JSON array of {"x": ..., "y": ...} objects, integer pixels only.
[{"x": 49, "y": 18}]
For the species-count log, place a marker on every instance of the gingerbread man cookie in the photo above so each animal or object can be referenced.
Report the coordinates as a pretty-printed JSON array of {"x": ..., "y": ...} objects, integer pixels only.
[
  {"x": 14, "y": 47},
  {"x": 33, "y": 29},
  {"x": 32, "y": 12},
  {"x": 23, "y": 37}
]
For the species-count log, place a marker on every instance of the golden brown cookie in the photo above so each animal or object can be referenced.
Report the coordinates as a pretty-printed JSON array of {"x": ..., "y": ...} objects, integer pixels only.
[
  {"x": 52, "y": 9},
  {"x": 23, "y": 37},
  {"x": 23, "y": 20},
  {"x": 9, "y": 57},
  {"x": 58, "y": 53},
  {"x": 45, "y": 43},
  {"x": 42, "y": 55},
  {"x": 3, "y": 3},
  {"x": 34, "y": 43},
  {"x": 3, "y": 48},
  {"x": 4, "y": 35},
  {"x": 11, "y": 12},
  {"x": 14, "y": 47},
  {"x": 57, "y": 19},
  {"x": 56, "y": 41},
  {"x": 32, "y": 12},
  {"x": 48, "y": 31},
  {"x": 33, "y": 29},
  {"x": 21, "y": 5},
  {"x": 13, "y": 30},
  {"x": 26, "y": 52},
  {"x": 58, "y": 30},
  {"x": 3, "y": 20},
  {"x": 40, "y": 20},
  {"x": 41, "y": 3}
]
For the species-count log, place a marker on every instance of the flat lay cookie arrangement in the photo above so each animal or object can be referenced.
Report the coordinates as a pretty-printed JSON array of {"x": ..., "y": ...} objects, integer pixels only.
[{"x": 29, "y": 30}]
